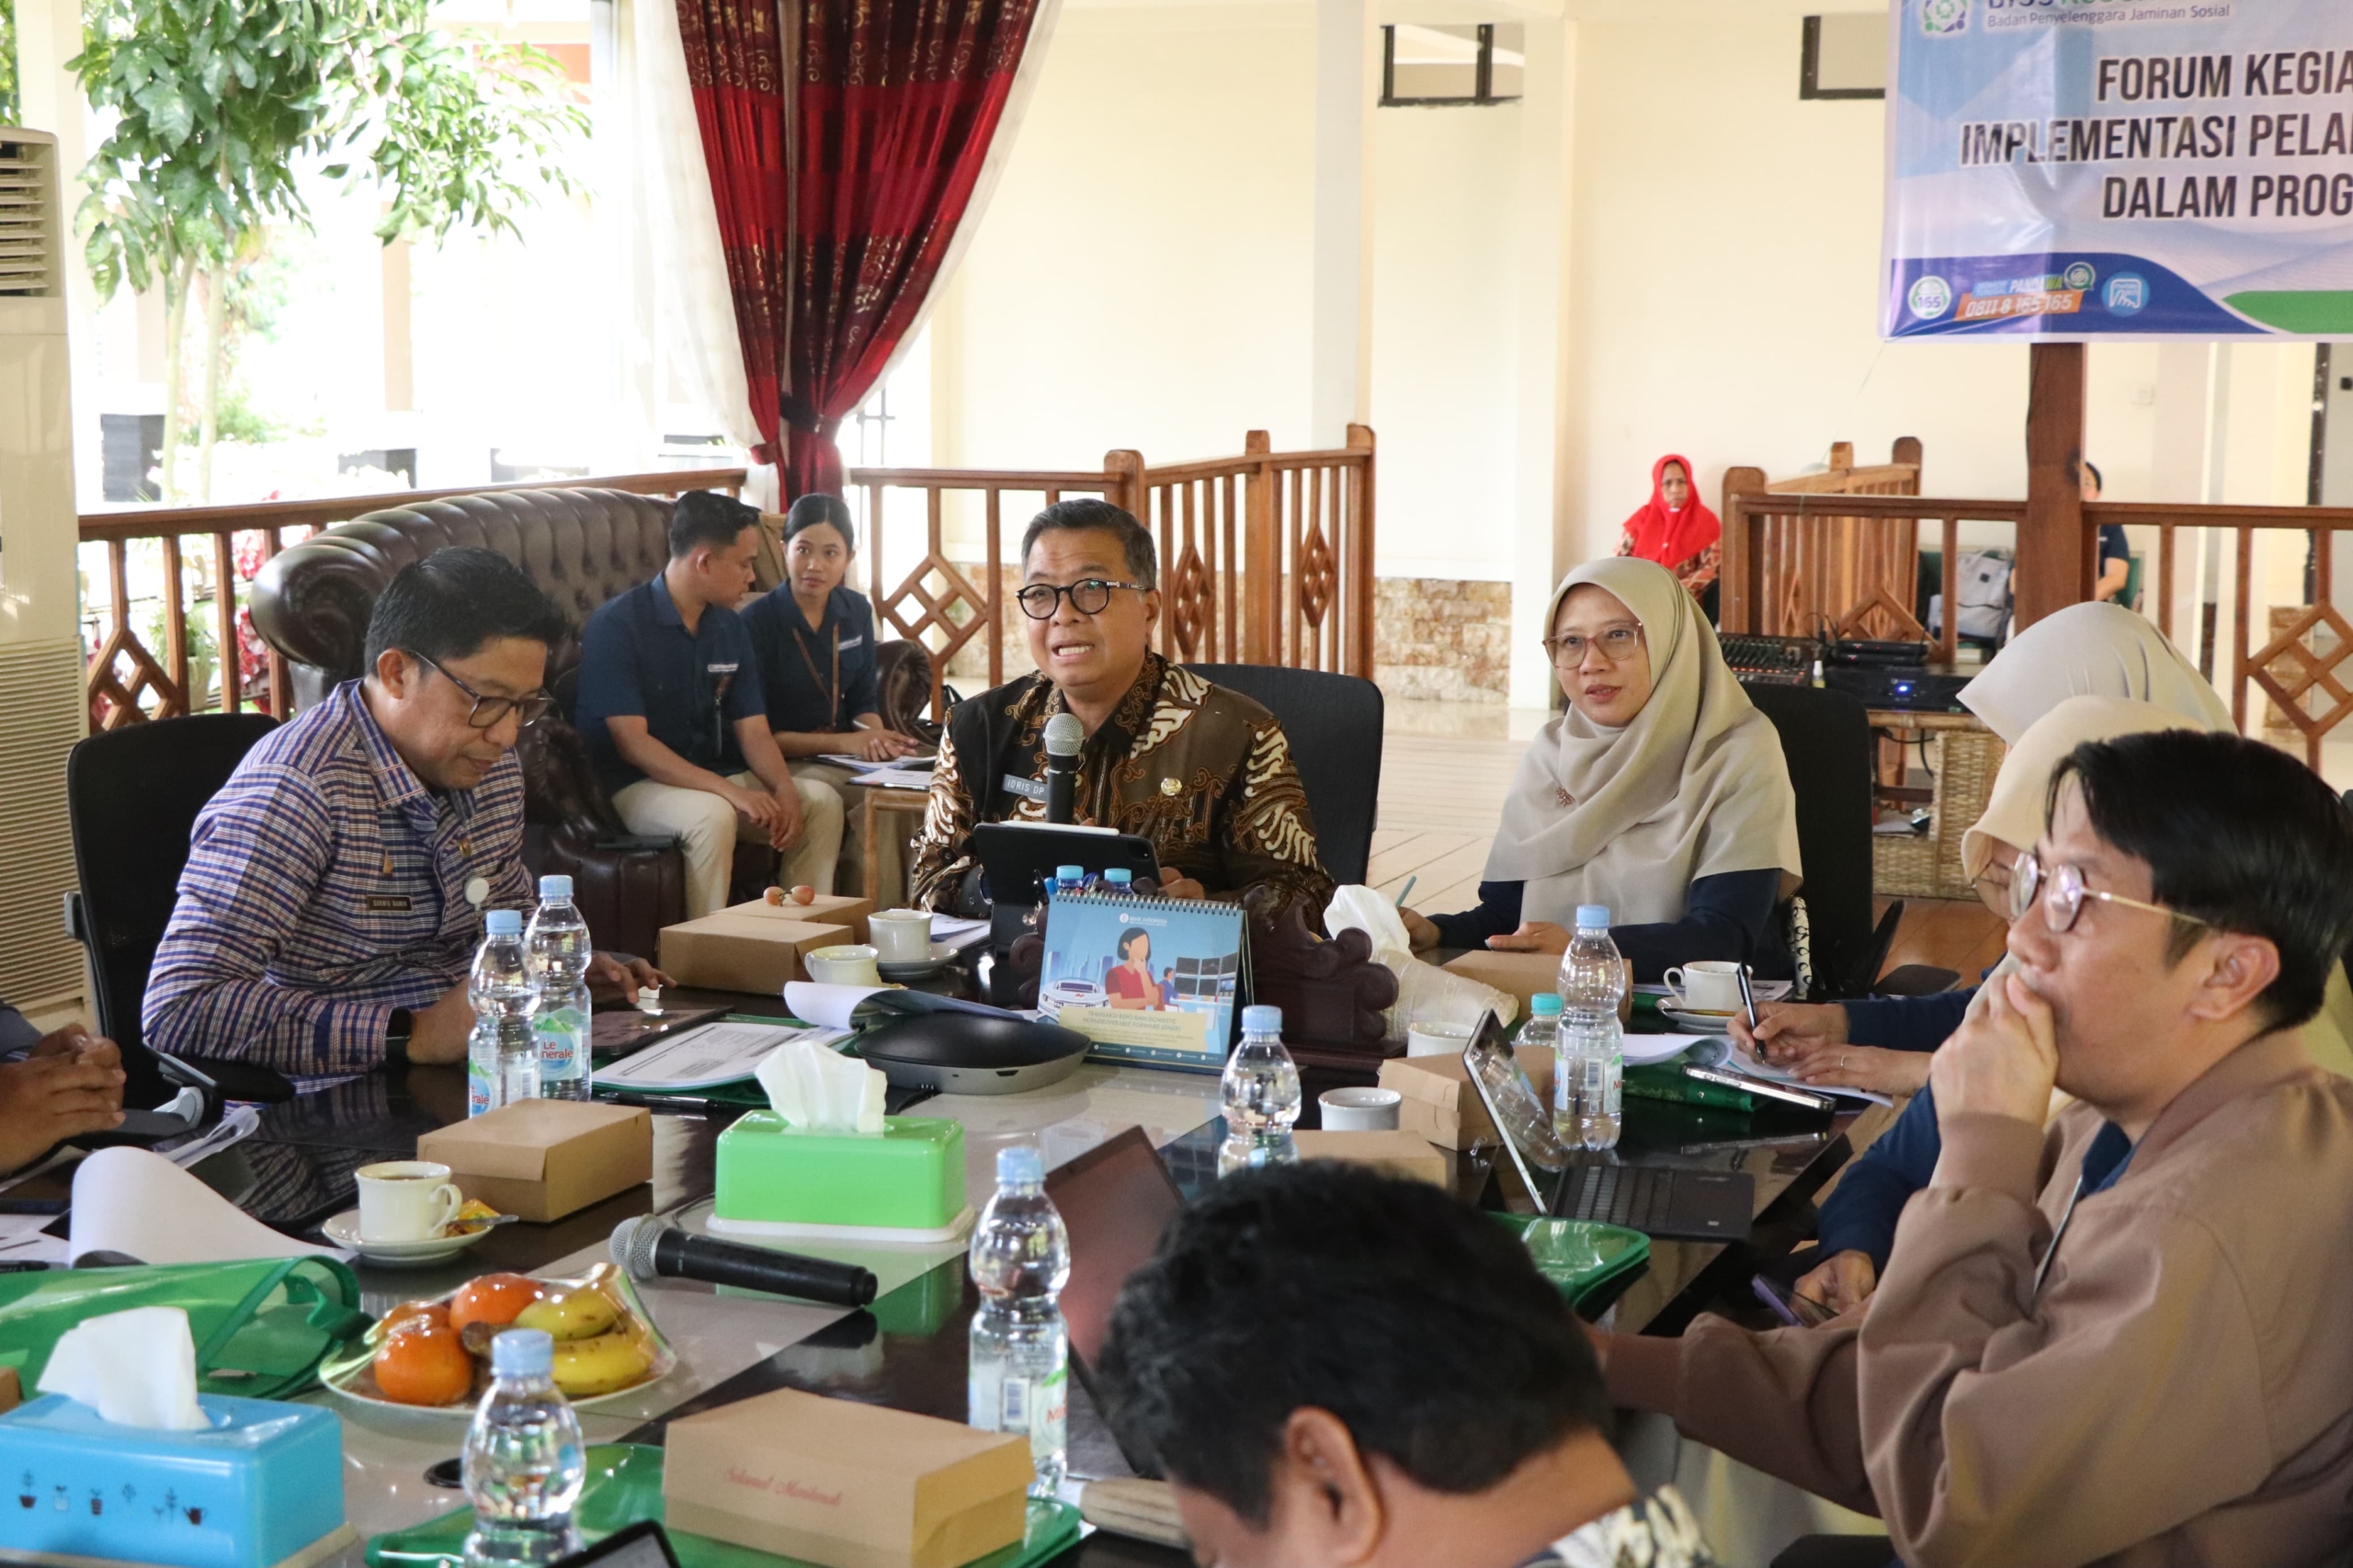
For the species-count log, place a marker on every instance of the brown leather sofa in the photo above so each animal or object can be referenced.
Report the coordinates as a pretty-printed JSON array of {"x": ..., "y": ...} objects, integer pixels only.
[{"x": 583, "y": 547}]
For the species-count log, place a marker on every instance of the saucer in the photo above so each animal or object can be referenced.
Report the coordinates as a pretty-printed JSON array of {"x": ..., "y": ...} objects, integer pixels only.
[
  {"x": 942, "y": 955},
  {"x": 344, "y": 1231},
  {"x": 1698, "y": 1023}
]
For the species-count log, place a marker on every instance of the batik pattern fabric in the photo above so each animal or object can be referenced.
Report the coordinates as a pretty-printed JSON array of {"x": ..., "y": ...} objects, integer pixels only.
[
  {"x": 1204, "y": 774},
  {"x": 1697, "y": 573},
  {"x": 1658, "y": 1532}
]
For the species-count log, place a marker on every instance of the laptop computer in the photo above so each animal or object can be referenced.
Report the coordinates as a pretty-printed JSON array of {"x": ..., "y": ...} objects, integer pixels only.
[
  {"x": 1116, "y": 1201},
  {"x": 1675, "y": 1202}
]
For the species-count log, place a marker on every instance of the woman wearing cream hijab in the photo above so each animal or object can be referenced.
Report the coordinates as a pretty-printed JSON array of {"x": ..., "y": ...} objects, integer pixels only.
[
  {"x": 2089, "y": 650},
  {"x": 1662, "y": 793}
]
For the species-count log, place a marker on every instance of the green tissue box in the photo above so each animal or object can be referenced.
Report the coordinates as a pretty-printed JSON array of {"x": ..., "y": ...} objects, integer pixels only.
[{"x": 909, "y": 1179}]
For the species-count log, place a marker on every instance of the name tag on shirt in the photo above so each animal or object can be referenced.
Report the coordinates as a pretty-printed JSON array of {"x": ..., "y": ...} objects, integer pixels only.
[
  {"x": 1027, "y": 789},
  {"x": 387, "y": 904},
  {"x": 854, "y": 641}
]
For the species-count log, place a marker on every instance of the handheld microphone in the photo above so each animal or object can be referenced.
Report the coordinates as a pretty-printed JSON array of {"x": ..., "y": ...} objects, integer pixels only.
[
  {"x": 653, "y": 1244},
  {"x": 1064, "y": 736}
]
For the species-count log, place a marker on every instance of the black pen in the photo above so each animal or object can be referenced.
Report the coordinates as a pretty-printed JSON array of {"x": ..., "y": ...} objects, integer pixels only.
[
  {"x": 32, "y": 1205},
  {"x": 1748, "y": 998},
  {"x": 25, "y": 1265}
]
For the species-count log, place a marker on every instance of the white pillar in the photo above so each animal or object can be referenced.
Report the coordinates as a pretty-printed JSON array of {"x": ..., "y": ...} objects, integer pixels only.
[
  {"x": 1541, "y": 522},
  {"x": 1340, "y": 345}
]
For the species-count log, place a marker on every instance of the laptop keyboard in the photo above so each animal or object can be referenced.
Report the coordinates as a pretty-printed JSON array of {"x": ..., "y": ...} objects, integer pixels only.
[{"x": 1634, "y": 1197}]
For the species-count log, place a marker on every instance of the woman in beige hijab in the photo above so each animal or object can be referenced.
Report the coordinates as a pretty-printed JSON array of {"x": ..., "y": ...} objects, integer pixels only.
[
  {"x": 1661, "y": 794},
  {"x": 2089, "y": 650}
]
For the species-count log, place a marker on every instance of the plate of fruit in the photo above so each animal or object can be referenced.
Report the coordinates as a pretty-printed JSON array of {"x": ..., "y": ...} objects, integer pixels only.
[{"x": 435, "y": 1354}]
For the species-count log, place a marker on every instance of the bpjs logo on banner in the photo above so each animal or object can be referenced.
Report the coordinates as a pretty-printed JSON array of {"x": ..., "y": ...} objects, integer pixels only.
[{"x": 1941, "y": 19}]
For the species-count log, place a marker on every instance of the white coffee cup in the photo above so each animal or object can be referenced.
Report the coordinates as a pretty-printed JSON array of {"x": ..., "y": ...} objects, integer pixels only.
[
  {"x": 900, "y": 936},
  {"x": 405, "y": 1200},
  {"x": 1436, "y": 1039},
  {"x": 1360, "y": 1110},
  {"x": 851, "y": 964},
  {"x": 1711, "y": 985}
]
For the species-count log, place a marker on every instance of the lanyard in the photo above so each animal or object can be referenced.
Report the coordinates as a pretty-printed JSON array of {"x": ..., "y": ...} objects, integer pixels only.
[{"x": 833, "y": 692}]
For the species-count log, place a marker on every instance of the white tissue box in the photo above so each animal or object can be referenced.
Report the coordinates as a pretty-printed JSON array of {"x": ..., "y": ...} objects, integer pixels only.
[{"x": 258, "y": 1484}]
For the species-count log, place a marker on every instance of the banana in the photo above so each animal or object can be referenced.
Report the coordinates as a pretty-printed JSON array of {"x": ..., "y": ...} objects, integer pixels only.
[
  {"x": 609, "y": 1361},
  {"x": 572, "y": 1314}
]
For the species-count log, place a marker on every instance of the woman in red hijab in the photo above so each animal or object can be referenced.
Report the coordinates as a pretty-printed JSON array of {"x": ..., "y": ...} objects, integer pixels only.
[{"x": 1676, "y": 530}]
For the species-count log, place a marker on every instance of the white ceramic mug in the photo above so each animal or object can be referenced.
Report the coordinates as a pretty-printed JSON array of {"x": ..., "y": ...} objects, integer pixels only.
[
  {"x": 1711, "y": 985},
  {"x": 405, "y": 1200},
  {"x": 900, "y": 936},
  {"x": 1436, "y": 1039},
  {"x": 1360, "y": 1110},
  {"x": 846, "y": 965}
]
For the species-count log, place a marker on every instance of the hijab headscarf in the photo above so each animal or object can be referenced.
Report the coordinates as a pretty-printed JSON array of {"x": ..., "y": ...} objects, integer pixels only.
[
  {"x": 1694, "y": 785},
  {"x": 2089, "y": 650},
  {"x": 2015, "y": 814},
  {"x": 2014, "y": 807},
  {"x": 1668, "y": 537}
]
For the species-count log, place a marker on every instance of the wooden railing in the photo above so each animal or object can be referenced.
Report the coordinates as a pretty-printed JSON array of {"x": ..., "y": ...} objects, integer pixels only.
[
  {"x": 1265, "y": 558},
  {"x": 128, "y": 681},
  {"x": 2297, "y": 663},
  {"x": 1814, "y": 563}
]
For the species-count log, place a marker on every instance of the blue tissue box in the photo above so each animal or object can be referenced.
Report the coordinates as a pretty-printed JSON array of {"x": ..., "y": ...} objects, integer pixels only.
[{"x": 264, "y": 1481}]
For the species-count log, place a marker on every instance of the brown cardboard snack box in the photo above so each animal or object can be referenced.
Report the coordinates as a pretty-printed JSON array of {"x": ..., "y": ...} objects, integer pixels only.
[
  {"x": 744, "y": 952},
  {"x": 847, "y": 1485},
  {"x": 1525, "y": 974},
  {"x": 540, "y": 1160},
  {"x": 827, "y": 909},
  {"x": 1439, "y": 1104},
  {"x": 1399, "y": 1153}
]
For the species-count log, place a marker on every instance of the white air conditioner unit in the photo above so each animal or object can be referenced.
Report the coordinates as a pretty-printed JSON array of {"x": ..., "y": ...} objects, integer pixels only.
[{"x": 44, "y": 710}]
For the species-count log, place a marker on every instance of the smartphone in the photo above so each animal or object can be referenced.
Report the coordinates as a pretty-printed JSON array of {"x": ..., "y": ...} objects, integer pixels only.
[{"x": 1797, "y": 1311}]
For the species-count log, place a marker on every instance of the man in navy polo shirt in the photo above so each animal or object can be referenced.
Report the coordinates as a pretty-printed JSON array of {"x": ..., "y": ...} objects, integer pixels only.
[{"x": 671, "y": 709}]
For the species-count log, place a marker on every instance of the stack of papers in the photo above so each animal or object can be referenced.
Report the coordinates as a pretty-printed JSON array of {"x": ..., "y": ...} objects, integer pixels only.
[
  {"x": 707, "y": 1057},
  {"x": 896, "y": 775}
]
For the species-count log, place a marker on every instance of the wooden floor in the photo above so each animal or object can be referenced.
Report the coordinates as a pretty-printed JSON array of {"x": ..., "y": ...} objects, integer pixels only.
[{"x": 1444, "y": 772}]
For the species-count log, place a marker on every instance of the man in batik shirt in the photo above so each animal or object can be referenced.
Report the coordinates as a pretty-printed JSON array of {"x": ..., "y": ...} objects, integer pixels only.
[{"x": 1203, "y": 773}]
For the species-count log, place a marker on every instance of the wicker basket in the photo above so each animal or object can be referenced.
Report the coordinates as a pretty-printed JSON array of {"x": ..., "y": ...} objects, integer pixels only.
[{"x": 1928, "y": 865}]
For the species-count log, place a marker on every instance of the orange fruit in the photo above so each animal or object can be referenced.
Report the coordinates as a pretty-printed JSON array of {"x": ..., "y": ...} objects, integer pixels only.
[
  {"x": 409, "y": 1315},
  {"x": 494, "y": 1299},
  {"x": 424, "y": 1364}
]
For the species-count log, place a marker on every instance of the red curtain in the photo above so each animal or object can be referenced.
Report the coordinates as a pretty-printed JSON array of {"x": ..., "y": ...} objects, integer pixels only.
[
  {"x": 735, "y": 69},
  {"x": 894, "y": 108}
]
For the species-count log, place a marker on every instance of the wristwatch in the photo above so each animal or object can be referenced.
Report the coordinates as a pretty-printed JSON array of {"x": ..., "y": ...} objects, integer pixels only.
[{"x": 396, "y": 1034}]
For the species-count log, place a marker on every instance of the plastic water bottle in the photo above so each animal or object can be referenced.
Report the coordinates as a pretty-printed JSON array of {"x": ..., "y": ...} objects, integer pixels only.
[
  {"x": 1543, "y": 1025},
  {"x": 1020, "y": 1350},
  {"x": 1261, "y": 1095},
  {"x": 524, "y": 1463},
  {"x": 1069, "y": 879},
  {"x": 1589, "y": 1064},
  {"x": 558, "y": 947},
  {"x": 1118, "y": 880},
  {"x": 502, "y": 1057}
]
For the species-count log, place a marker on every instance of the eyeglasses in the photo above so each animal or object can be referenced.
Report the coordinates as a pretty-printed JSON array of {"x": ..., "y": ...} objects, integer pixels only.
[
  {"x": 488, "y": 710},
  {"x": 1617, "y": 643},
  {"x": 1089, "y": 595},
  {"x": 2064, "y": 894}
]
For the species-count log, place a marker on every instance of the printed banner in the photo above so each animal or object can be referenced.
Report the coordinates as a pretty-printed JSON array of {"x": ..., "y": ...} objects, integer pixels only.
[{"x": 2070, "y": 169}]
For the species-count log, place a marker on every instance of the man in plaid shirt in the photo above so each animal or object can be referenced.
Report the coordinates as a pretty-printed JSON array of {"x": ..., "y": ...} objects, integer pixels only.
[{"x": 334, "y": 887}]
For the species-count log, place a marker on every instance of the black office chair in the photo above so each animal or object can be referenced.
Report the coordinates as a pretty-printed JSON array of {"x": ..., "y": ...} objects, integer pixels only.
[
  {"x": 132, "y": 795},
  {"x": 1826, "y": 737},
  {"x": 1334, "y": 725}
]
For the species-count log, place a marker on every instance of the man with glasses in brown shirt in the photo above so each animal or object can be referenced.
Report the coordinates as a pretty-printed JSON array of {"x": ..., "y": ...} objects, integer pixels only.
[
  {"x": 1203, "y": 773},
  {"x": 334, "y": 887},
  {"x": 2120, "y": 1339}
]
